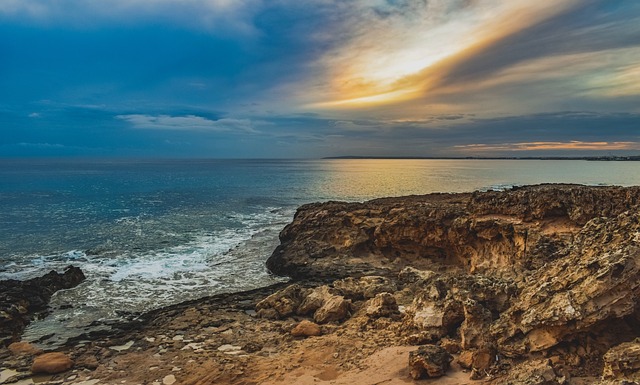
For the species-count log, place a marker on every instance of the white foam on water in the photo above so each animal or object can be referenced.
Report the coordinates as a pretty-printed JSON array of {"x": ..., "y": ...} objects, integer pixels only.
[{"x": 227, "y": 260}]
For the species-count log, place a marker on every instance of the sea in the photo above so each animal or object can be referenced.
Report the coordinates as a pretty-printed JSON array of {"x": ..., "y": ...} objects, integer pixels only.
[{"x": 151, "y": 233}]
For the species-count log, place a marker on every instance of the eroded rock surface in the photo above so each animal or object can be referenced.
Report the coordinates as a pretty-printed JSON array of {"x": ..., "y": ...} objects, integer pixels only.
[{"x": 497, "y": 233}]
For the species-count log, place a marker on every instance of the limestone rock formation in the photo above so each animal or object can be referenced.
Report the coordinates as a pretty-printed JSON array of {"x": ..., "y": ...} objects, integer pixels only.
[
  {"x": 497, "y": 233},
  {"x": 622, "y": 362},
  {"x": 598, "y": 281},
  {"x": 548, "y": 270},
  {"x": 364, "y": 287}
]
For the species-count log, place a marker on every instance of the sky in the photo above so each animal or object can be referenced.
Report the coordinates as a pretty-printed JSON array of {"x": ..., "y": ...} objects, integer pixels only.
[{"x": 317, "y": 78}]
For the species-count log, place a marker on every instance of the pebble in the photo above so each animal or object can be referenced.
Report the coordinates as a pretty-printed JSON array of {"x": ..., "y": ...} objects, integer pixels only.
[
  {"x": 195, "y": 346},
  {"x": 169, "y": 380},
  {"x": 229, "y": 348},
  {"x": 150, "y": 339},
  {"x": 179, "y": 337},
  {"x": 6, "y": 373},
  {"x": 122, "y": 348},
  {"x": 87, "y": 382}
]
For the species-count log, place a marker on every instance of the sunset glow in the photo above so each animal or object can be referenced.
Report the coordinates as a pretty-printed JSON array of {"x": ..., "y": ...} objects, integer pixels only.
[{"x": 257, "y": 78}]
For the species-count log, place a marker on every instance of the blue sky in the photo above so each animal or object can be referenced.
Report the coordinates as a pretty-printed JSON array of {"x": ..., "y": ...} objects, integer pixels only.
[{"x": 289, "y": 79}]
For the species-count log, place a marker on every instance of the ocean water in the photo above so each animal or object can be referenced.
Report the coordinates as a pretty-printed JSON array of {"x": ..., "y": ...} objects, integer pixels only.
[{"x": 150, "y": 233}]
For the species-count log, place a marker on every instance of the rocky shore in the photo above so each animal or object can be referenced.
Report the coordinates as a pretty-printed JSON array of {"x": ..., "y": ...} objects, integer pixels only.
[
  {"x": 20, "y": 301},
  {"x": 536, "y": 285}
]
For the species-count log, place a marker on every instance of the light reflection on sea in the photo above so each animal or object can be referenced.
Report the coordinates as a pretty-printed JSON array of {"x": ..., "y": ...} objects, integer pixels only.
[{"x": 149, "y": 233}]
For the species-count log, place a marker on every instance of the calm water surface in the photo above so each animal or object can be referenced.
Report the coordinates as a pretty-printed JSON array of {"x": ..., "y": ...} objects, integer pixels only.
[{"x": 152, "y": 233}]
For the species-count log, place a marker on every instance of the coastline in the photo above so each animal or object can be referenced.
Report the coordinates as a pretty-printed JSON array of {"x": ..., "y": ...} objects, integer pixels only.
[{"x": 481, "y": 275}]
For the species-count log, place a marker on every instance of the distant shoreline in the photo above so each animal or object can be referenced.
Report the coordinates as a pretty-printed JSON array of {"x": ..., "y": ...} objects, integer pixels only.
[{"x": 589, "y": 158}]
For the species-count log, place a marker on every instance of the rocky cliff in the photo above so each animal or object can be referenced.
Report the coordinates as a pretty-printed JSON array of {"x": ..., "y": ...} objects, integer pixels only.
[
  {"x": 540, "y": 271},
  {"x": 501, "y": 233}
]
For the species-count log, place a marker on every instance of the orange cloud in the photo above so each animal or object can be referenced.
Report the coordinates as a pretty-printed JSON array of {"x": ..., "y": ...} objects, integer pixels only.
[
  {"x": 545, "y": 146},
  {"x": 397, "y": 60}
]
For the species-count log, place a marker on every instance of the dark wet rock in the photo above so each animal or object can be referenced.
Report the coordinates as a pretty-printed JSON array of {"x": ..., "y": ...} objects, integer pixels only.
[
  {"x": 429, "y": 361},
  {"x": 22, "y": 300}
]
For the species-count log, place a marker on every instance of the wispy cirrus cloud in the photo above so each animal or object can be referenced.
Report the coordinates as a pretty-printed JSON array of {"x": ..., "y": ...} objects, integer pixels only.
[
  {"x": 227, "y": 16},
  {"x": 486, "y": 57},
  {"x": 188, "y": 123},
  {"x": 394, "y": 48}
]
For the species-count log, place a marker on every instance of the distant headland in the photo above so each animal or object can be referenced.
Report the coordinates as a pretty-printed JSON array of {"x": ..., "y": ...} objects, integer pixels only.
[{"x": 591, "y": 158}]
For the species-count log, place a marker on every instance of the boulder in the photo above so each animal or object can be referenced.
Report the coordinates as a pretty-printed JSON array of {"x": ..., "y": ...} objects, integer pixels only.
[
  {"x": 383, "y": 305},
  {"x": 622, "y": 362},
  {"x": 482, "y": 359},
  {"x": 306, "y": 328},
  {"x": 429, "y": 361},
  {"x": 24, "y": 348},
  {"x": 282, "y": 303},
  {"x": 474, "y": 331},
  {"x": 335, "y": 309},
  {"x": 52, "y": 363},
  {"x": 465, "y": 359},
  {"x": 451, "y": 346},
  {"x": 315, "y": 300}
]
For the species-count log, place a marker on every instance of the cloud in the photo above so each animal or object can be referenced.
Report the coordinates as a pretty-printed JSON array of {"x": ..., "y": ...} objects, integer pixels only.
[
  {"x": 42, "y": 145},
  {"x": 486, "y": 57},
  {"x": 188, "y": 123},
  {"x": 390, "y": 51},
  {"x": 223, "y": 16},
  {"x": 546, "y": 146}
]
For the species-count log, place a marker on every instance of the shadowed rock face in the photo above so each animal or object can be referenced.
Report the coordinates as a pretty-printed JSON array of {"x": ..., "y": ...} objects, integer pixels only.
[{"x": 499, "y": 233}]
